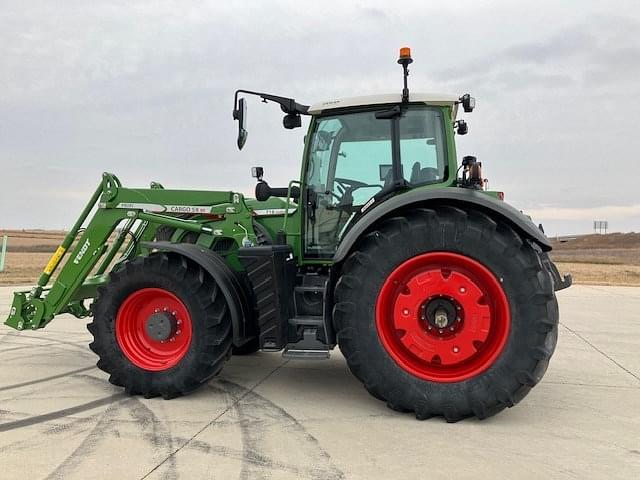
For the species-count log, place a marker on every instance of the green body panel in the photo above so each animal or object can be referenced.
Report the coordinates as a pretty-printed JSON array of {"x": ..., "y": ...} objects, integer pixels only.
[{"x": 221, "y": 220}]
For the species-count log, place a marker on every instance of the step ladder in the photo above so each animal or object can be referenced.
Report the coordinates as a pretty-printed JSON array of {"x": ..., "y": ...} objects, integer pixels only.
[{"x": 309, "y": 327}]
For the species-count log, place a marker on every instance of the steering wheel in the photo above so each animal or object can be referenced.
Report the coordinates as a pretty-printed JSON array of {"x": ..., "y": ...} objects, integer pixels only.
[{"x": 349, "y": 185}]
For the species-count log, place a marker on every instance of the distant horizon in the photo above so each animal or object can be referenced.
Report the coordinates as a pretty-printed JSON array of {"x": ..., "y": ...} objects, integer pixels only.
[{"x": 547, "y": 233}]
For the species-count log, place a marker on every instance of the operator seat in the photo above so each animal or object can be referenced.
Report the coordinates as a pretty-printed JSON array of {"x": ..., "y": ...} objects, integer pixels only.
[{"x": 423, "y": 175}]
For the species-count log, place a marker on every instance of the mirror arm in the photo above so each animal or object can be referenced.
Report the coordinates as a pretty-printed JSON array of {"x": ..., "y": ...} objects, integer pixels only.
[{"x": 288, "y": 105}]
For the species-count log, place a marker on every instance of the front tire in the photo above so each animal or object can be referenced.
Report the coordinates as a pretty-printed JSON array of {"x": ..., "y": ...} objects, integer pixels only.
[
  {"x": 446, "y": 312},
  {"x": 161, "y": 326}
]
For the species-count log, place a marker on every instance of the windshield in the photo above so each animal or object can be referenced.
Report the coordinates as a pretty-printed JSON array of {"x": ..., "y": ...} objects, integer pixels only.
[{"x": 350, "y": 160}]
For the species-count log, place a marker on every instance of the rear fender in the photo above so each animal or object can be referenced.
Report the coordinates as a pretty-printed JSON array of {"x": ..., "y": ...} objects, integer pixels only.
[{"x": 442, "y": 196}]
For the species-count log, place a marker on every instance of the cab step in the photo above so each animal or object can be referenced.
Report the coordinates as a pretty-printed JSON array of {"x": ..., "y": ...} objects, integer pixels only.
[
  {"x": 307, "y": 321},
  {"x": 308, "y": 348}
]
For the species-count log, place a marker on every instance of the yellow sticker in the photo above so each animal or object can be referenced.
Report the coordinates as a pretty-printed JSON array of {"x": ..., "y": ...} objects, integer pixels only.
[{"x": 55, "y": 259}]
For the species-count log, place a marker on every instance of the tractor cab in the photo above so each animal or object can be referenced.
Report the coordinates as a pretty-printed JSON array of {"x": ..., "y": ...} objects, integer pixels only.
[{"x": 361, "y": 151}]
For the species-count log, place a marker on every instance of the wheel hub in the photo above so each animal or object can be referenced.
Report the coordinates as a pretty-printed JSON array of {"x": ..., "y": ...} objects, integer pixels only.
[
  {"x": 440, "y": 313},
  {"x": 161, "y": 326}
]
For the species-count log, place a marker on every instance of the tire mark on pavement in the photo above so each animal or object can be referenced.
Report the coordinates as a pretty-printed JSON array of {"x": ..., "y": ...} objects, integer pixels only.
[
  {"x": 25, "y": 422},
  {"x": 90, "y": 441},
  {"x": 155, "y": 432},
  {"x": 257, "y": 415},
  {"x": 212, "y": 422},
  {"x": 146, "y": 422},
  {"x": 257, "y": 418},
  {"x": 46, "y": 379},
  {"x": 76, "y": 345},
  {"x": 160, "y": 436},
  {"x": 31, "y": 345}
]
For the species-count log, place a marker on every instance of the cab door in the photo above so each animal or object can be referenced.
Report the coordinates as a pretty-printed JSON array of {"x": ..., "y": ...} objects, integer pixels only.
[{"x": 347, "y": 163}]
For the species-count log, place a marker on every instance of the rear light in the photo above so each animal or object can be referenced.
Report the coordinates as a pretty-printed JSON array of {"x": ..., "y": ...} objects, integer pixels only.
[{"x": 501, "y": 196}]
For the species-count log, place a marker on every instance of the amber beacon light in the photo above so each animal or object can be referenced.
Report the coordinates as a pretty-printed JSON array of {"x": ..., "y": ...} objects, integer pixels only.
[
  {"x": 405, "y": 54},
  {"x": 404, "y": 60}
]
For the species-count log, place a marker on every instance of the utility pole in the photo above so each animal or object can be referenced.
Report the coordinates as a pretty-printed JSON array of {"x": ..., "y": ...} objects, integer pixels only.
[{"x": 3, "y": 252}]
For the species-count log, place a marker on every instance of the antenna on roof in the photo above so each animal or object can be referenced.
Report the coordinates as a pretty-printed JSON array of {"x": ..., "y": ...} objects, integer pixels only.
[{"x": 404, "y": 60}]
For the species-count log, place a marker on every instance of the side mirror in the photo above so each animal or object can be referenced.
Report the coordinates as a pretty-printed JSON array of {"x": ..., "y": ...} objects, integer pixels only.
[
  {"x": 240, "y": 114},
  {"x": 468, "y": 103},
  {"x": 461, "y": 127},
  {"x": 291, "y": 120}
]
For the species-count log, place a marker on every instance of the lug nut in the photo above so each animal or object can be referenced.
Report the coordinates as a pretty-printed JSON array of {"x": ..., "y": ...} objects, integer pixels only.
[
  {"x": 451, "y": 328},
  {"x": 405, "y": 311},
  {"x": 463, "y": 289},
  {"x": 177, "y": 332},
  {"x": 456, "y": 349}
]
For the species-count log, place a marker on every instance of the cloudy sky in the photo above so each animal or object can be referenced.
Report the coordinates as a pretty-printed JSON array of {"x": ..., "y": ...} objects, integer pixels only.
[{"x": 144, "y": 89}]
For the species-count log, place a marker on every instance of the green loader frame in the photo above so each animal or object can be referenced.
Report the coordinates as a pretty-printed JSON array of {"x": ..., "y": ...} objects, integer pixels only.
[{"x": 139, "y": 213}]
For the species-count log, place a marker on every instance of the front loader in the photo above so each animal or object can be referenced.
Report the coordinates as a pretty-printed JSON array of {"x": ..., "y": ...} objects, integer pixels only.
[{"x": 439, "y": 294}]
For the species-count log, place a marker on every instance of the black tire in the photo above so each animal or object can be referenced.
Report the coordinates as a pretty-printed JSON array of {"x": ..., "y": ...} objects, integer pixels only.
[
  {"x": 252, "y": 346},
  {"x": 164, "y": 232},
  {"x": 211, "y": 336},
  {"x": 515, "y": 262}
]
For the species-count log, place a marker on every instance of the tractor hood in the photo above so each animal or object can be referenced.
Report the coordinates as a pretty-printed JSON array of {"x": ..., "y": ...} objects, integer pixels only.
[{"x": 272, "y": 207}]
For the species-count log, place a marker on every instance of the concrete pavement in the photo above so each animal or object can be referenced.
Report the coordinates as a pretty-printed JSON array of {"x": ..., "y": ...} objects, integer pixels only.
[{"x": 264, "y": 417}]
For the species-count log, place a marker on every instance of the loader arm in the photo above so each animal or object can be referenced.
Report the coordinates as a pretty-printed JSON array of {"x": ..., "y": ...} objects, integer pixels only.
[{"x": 89, "y": 253}]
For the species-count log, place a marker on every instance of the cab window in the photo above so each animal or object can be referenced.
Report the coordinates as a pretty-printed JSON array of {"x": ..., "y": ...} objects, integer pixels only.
[{"x": 350, "y": 161}]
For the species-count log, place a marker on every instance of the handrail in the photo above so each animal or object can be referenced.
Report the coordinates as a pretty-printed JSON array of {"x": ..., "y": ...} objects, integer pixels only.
[{"x": 286, "y": 208}]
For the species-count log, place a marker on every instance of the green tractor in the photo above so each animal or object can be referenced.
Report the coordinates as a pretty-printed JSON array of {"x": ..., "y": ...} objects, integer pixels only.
[{"x": 440, "y": 296}]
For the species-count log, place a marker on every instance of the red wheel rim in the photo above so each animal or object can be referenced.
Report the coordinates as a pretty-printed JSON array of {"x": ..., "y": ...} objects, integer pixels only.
[
  {"x": 467, "y": 346},
  {"x": 136, "y": 344}
]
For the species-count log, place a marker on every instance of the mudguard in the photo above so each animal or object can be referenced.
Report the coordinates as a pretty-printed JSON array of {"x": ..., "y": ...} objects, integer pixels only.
[
  {"x": 234, "y": 292},
  {"x": 449, "y": 196}
]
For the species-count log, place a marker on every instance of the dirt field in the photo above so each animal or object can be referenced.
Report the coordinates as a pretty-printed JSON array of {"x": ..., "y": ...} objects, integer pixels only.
[
  {"x": 612, "y": 259},
  {"x": 23, "y": 268},
  {"x": 602, "y": 274},
  {"x": 27, "y": 253}
]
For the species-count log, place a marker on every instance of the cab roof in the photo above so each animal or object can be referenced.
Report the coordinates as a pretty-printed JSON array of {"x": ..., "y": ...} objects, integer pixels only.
[{"x": 381, "y": 99}]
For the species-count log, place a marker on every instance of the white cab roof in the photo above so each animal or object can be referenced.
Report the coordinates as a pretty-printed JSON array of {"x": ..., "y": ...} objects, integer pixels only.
[{"x": 428, "y": 98}]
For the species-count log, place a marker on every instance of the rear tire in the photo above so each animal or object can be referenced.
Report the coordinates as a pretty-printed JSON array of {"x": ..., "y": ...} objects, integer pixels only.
[
  {"x": 193, "y": 351},
  {"x": 479, "y": 365}
]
